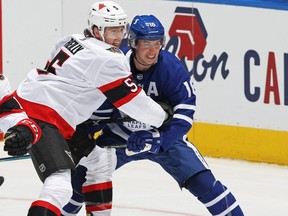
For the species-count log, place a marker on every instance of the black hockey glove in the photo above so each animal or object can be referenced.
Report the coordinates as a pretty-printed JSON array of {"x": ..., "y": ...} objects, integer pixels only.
[
  {"x": 19, "y": 138},
  {"x": 168, "y": 109},
  {"x": 81, "y": 144}
]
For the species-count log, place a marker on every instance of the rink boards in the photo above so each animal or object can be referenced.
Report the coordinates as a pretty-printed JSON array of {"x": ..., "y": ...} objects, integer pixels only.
[{"x": 251, "y": 144}]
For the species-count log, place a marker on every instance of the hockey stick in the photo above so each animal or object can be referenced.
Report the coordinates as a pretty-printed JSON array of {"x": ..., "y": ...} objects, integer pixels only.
[
  {"x": 129, "y": 153},
  {"x": 94, "y": 122},
  {"x": 10, "y": 136},
  {"x": 146, "y": 148},
  {"x": 22, "y": 157},
  {"x": 107, "y": 121},
  {"x": 115, "y": 146},
  {"x": 13, "y": 158}
]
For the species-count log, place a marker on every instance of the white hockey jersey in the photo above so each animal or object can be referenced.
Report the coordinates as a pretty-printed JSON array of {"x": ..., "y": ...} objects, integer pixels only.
[{"x": 80, "y": 74}]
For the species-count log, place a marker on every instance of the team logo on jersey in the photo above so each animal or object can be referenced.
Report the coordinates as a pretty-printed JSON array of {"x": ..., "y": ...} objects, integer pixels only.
[
  {"x": 137, "y": 125},
  {"x": 139, "y": 76},
  {"x": 114, "y": 50}
]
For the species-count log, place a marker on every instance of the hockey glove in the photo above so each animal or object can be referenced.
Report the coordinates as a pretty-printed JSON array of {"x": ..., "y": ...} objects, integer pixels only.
[
  {"x": 19, "y": 138},
  {"x": 139, "y": 140},
  {"x": 81, "y": 144}
]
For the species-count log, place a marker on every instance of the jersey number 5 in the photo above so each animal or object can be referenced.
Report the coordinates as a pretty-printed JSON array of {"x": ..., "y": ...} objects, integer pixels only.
[
  {"x": 59, "y": 60},
  {"x": 133, "y": 87}
]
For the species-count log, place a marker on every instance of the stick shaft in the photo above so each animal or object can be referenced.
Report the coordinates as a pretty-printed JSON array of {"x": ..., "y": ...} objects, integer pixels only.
[
  {"x": 13, "y": 158},
  {"x": 4, "y": 159}
]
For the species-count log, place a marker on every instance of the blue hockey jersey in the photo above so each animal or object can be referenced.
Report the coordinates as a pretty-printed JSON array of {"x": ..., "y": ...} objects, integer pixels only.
[{"x": 167, "y": 81}]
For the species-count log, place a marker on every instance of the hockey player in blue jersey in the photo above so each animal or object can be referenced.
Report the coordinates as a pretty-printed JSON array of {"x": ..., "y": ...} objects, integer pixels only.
[{"x": 164, "y": 79}]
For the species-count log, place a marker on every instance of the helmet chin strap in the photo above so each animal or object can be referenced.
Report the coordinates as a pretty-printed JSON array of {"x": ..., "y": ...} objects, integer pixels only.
[
  {"x": 101, "y": 33},
  {"x": 144, "y": 64}
]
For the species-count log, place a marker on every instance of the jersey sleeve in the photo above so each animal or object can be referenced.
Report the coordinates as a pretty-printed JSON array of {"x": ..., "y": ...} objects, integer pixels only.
[
  {"x": 104, "y": 112},
  {"x": 124, "y": 94},
  {"x": 10, "y": 113},
  {"x": 180, "y": 94},
  {"x": 10, "y": 110}
]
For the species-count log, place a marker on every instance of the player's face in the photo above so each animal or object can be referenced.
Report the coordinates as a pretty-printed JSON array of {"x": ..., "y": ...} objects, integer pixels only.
[
  {"x": 147, "y": 51},
  {"x": 114, "y": 35}
]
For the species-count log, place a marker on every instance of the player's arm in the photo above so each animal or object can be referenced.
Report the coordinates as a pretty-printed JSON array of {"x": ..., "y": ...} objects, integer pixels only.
[
  {"x": 99, "y": 118},
  {"x": 20, "y": 131},
  {"x": 181, "y": 119},
  {"x": 125, "y": 95},
  {"x": 180, "y": 95},
  {"x": 10, "y": 110}
]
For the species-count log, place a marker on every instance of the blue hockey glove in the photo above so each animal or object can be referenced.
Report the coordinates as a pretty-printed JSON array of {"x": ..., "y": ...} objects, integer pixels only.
[
  {"x": 138, "y": 140},
  {"x": 19, "y": 138}
]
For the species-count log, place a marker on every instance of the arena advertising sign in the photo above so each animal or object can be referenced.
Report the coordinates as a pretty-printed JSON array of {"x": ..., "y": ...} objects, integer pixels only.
[{"x": 238, "y": 60}]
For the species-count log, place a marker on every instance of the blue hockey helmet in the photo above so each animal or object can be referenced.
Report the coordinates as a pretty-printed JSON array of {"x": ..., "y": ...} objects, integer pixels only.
[{"x": 146, "y": 27}]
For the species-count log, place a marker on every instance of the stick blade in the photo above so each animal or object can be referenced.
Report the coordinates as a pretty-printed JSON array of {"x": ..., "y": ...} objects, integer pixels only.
[{"x": 146, "y": 148}]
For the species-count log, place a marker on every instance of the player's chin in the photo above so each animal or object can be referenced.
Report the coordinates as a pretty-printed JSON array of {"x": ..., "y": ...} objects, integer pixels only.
[
  {"x": 117, "y": 44},
  {"x": 150, "y": 61}
]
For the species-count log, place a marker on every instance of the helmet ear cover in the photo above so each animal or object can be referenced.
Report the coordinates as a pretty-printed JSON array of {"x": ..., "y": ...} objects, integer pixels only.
[{"x": 145, "y": 27}]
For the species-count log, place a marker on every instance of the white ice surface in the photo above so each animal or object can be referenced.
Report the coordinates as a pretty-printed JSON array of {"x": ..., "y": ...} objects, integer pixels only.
[{"x": 144, "y": 189}]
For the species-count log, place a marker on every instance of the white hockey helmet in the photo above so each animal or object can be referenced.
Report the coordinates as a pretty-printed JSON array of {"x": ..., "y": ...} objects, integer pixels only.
[{"x": 106, "y": 14}]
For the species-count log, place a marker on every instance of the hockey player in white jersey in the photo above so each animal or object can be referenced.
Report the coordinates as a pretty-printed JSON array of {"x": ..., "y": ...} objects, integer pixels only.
[
  {"x": 164, "y": 78},
  {"x": 83, "y": 71}
]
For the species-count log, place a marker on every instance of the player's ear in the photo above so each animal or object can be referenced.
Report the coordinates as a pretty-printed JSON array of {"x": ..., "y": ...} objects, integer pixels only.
[{"x": 96, "y": 33}]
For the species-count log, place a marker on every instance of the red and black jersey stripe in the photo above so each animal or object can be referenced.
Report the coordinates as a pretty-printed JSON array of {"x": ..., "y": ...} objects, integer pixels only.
[
  {"x": 9, "y": 105},
  {"x": 120, "y": 91}
]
